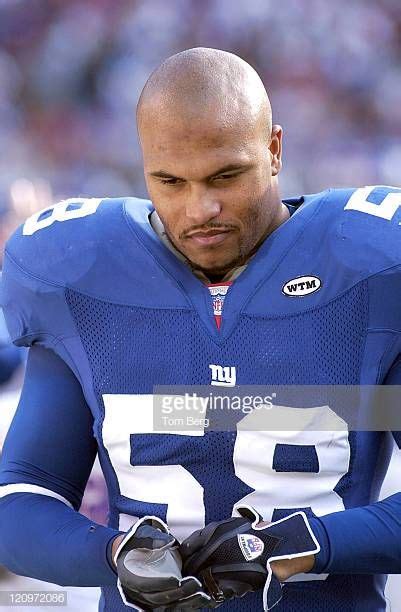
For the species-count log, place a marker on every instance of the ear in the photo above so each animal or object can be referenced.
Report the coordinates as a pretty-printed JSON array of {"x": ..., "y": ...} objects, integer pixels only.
[{"x": 275, "y": 148}]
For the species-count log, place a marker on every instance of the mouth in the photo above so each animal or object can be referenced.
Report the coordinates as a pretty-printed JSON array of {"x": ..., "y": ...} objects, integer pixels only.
[{"x": 210, "y": 238}]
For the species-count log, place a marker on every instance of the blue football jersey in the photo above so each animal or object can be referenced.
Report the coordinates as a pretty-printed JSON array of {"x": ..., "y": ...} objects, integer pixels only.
[{"x": 317, "y": 305}]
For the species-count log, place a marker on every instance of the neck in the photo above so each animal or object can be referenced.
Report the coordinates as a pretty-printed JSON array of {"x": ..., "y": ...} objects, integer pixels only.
[{"x": 283, "y": 214}]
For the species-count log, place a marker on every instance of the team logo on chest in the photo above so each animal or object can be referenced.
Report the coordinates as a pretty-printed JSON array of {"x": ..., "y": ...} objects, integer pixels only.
[
  {"x": 223, "y": 376},
  {"x": 301, "y": 286}
]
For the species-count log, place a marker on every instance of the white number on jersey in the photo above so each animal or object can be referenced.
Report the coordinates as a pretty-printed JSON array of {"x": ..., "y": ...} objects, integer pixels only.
[
  {"x": 74, "y": 208},
  {"x": 176, "y": 487},
  {"x": 166, "y": 484},
  {"x": 385, "y": 210}
]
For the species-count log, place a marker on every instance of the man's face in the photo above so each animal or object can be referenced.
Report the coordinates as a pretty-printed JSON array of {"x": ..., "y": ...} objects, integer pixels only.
[{"x": 214, "y": 188}]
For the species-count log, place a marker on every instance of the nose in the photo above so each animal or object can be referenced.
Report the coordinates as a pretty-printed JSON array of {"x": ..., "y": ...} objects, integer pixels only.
[{"x": 201, "y": 205}]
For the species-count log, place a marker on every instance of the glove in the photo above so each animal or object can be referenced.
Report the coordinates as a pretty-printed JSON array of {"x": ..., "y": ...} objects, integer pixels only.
[
  {"x": 232, "y": 557},
  {"x": 149, "y": 570}
]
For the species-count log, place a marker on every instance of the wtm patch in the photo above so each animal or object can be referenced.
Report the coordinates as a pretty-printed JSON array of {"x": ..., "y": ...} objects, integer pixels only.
[
  {"x": 250, "y": 545},
  {"x": 301, "y": 286}
]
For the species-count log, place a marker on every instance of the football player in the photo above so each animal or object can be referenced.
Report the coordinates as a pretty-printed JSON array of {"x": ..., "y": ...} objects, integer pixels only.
[{"x": 115, "y": 296}]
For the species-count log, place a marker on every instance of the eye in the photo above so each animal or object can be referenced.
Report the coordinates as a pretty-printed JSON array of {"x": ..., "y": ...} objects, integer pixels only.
[
  {"x": 170, "y": 181},
  {"x": 226, "y": 177}
]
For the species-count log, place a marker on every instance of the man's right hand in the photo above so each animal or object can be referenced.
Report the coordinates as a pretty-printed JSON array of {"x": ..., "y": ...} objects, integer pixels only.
[{"x": 149, "y": 570}]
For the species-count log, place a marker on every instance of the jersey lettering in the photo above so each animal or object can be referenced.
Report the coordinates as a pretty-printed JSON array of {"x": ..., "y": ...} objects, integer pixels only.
[
  {"x": 63, "y": 211},
  {"x": 385, "y": 210}
]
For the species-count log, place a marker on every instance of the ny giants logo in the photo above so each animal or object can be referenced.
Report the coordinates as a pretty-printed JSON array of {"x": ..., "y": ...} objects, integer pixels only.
[{"x": 223, "y": 376}]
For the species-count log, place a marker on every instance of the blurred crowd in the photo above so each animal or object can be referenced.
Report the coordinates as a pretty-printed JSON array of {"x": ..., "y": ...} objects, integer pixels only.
[{"x": 71, "y": 73}]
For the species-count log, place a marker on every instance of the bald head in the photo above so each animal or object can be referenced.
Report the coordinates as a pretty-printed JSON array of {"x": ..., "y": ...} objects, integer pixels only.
[
  {"x": 211, "y": 157},
  {"x": 202, "y": 83}
]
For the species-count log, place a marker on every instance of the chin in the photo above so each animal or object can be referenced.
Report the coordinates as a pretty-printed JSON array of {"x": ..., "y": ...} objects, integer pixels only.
[
  {"x": 215, "y": 263},
  {"x": 214, "y": 267}
]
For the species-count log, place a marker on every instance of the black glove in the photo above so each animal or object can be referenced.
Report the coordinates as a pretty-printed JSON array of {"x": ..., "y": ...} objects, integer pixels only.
[
  {"x": 149, "y": 570},
  {"x": 232, "y": 557}
]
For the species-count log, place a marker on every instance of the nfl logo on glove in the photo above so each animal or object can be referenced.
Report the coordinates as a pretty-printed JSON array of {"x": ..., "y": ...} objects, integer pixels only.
[{"x": 250, "y": 545}]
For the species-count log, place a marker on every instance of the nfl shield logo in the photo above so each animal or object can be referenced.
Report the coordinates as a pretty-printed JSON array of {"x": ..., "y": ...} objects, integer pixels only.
[
  {"x": 251, "y": 546},
  {"x": 218, "y": 291}
]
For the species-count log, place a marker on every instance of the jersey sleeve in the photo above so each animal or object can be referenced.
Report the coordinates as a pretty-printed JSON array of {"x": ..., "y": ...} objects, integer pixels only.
[
  {"x": 46, "y": 461},
  {"x": 50, "y": 441},
  {"x": 364, "y": 540}
]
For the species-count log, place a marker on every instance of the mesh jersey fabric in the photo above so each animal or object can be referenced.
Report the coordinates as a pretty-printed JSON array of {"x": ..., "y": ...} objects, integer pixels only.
[{"x": 121, "y": 343}]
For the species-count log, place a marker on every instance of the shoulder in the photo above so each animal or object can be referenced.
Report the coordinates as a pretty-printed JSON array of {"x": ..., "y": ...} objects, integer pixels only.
[
  {"x": 370, "y": 226},
  {"x": 352, "y": 237},
  {"x": 62, "y": 243},
  {"x": 358, "y": 227},
  {"x": 82, "y": 244},
  {"x": 359, "y": 234}
]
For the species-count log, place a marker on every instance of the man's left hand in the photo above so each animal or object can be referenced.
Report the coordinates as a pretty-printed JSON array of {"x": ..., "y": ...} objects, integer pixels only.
[{"x": 239, "y": 555}]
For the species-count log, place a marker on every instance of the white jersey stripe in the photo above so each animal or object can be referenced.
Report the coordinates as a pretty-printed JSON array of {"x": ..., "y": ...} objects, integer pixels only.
[{"x": 29, "y": 488}]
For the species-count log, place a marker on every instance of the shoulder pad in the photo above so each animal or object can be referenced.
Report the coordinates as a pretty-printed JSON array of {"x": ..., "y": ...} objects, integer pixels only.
[
  {"x": 82, "y": 244},
  {"x": 367, "y": 224},
  {"x": 61, "y": 244}
]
